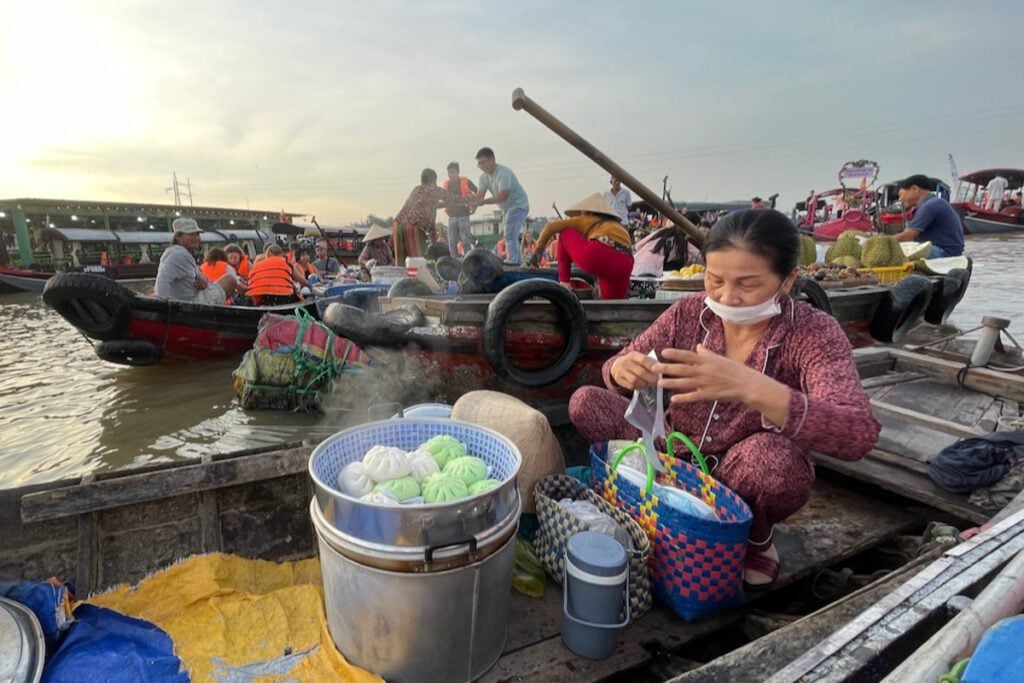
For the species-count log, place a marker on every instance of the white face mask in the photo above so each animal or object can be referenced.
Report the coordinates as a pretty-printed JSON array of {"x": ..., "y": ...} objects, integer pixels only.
[{"x": 746, "y": 315}]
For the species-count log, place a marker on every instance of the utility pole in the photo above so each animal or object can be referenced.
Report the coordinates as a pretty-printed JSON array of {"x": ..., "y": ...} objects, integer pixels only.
[{"x": 176, "y": 188}]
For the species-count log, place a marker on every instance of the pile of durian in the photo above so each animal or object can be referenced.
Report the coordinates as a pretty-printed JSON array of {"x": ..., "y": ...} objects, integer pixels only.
[{"x": 878, "y": 251}]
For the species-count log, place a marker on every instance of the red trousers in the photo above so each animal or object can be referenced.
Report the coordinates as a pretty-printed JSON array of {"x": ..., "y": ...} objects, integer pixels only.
[
  {"x": 766, "y": 470},
  {"x": 611, "y": 266}
]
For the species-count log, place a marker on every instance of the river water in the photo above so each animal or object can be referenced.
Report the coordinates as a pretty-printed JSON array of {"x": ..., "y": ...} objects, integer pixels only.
[{"x": 64, "y": 413}]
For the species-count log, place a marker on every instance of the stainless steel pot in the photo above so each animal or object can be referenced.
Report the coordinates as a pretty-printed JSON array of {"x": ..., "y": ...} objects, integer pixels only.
[
  {"x": 416, "y": 558},
  {"x": 438, "y": 626},
  {"x": 413, "y": 526}
]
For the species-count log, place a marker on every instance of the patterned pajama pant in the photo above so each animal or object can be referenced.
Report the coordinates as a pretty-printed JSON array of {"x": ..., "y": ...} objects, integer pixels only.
[{"x": 767, "y": 470}]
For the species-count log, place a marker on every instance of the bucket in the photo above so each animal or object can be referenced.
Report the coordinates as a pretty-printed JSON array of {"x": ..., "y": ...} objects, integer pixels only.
[
  {"x": 595, "y": 590},
  {"x": 407, "y": 626}
]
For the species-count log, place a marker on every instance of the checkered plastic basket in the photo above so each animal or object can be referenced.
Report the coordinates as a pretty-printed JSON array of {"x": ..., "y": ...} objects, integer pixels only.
[
  {"x": 697, "y": 564},
  {"x": 557, "y": 525}
]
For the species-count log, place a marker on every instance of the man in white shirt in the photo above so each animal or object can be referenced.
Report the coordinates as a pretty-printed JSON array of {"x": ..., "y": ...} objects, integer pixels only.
[
  {"x": 619, "y": 199},
  {"x": 996, "y": 189}
]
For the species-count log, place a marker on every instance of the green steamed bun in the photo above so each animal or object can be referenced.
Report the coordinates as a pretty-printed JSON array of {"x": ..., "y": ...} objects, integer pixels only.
[
  {"x": 444, "y": 448},
  {"x": 402, "y": 488},
  {"x": 483, "y": 485},
  {"x": 467, "y": 468},
  {"x": 441, "y": 488}
]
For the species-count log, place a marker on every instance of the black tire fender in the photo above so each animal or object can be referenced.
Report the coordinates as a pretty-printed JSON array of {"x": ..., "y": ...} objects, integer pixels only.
[
  {"x": 812, "y": 293},
  {"x": 436, "y": 250},
  {"x": 95, "y": 304},
  {"x": 129, "y": 352},
  {"x": 409, "y": 286},
  {"x": 571, "y": 316},
  {"x": 901, "y": 308},
  {"x": 373, "y": 329},
  {"x": 946, "y": 294},
  {"x": 448, "y": 268}
]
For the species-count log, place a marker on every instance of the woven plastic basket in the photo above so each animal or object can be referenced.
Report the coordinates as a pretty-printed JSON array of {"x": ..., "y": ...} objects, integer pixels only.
[{"x": 892, "y": 274}]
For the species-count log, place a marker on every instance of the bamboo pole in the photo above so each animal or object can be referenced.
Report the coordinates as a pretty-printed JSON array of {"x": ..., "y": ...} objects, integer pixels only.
[
  {"x": 521, "y": 101},
  {"x": 1003, "y": 597}
]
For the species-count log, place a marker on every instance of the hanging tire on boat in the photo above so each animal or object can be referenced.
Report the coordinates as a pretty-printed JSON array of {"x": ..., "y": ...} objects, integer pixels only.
[
  {"x": 94, "y": 304},
  {"x": 129, "y": 352},
  {"x": 448, "y": 268},
  {"x": 409, "y": 286},
  {"x": 946, "y": 294},
  {"x": 436, "y": 250},
  {"x": 373, "y": 329},
  {"x": 812, "y": 293},
  {"x": 901, "y": 308},
  {"x": 571, "y": 317}
]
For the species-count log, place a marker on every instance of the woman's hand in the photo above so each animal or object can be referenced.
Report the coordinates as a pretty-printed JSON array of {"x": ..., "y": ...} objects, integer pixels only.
[
  {"x": 633, "y": 371},
  {"x": 704, "y": 375}
]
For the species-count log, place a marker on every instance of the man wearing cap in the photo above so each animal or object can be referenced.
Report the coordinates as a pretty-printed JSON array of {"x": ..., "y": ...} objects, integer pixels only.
[
  {"x": 459, "y": 189},
  {"x": 619, "y": 199},
  {"x": 324, "y": 264},
  {"x": 375, "y": 248},
  {"x": 934, "y": 219},
  {"x": 508, "y": 194},
  {"x": 596, "y": 241},
  {"x": 178, "y": 276}
]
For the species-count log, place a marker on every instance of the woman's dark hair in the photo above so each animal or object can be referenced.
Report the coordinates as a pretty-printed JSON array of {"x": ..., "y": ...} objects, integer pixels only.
[
  {"x": 764, "y": 232},
  {"x": 428, "y": 175},
  {"x": 215, "y": 254}
]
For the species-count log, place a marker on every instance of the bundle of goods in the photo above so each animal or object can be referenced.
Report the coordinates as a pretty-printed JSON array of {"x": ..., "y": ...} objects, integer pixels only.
[{"x": 292, "y": 362}]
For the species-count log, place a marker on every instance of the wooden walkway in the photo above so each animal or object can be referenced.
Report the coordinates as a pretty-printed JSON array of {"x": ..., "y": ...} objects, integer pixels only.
[{"x": 835, "y": 525}]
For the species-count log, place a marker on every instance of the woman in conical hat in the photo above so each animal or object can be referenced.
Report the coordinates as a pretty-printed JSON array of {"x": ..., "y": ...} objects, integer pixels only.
[
  {"x": 594, "y": 239},
  {"x": 375, "y": 247}
]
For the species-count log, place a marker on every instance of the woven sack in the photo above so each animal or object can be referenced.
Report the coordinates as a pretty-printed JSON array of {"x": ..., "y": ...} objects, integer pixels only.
[
  {"x": 524, "y": 426},
  {"x": 557, "y": 525}
]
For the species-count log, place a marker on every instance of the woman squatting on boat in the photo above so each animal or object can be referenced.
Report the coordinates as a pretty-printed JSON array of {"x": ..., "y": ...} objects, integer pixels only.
[{"x": 756, "y": 378}]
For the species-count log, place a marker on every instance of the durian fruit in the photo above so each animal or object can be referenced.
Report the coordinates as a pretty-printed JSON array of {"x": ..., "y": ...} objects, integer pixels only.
[
  {"x": 808, "y": 250},
  {"x": 848, "y": 261},
  {"x": 882, "y": 251},
  {"x": 846, "y": 245}
]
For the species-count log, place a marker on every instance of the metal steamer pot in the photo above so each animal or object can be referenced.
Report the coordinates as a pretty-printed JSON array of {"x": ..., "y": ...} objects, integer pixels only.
[
  {"x": 413, "y": 526},
  {"x": 416, "y": 559},
  {"x": 443, "y": 620}
]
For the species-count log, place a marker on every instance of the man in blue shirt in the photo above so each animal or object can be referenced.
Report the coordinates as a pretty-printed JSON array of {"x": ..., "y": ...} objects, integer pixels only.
[
  {"x": 934, "y": 219},
  {"x": 508, "y": 194}
]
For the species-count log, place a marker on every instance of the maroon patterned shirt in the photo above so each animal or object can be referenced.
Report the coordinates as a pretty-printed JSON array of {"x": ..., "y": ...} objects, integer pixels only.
[
  {"x": 420, "y": 209},
  {"x": 803, "y": 348}
]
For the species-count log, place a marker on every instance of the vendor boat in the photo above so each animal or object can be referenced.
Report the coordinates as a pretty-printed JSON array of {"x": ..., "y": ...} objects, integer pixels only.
[
  {"x": 970, "y": 203},
  {"x": 134, "y": 329},
  {"x": 821, "y": 620}
]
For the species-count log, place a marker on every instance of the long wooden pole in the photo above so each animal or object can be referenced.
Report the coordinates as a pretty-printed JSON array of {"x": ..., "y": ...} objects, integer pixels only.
[{"x": 521, "y": 101}]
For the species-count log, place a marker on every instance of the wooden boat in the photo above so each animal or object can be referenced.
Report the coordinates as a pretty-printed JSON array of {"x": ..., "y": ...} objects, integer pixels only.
[
  {"x": 458, "y": 344},
  {"x": 134, "y": 329},
  {"x": 969, "y": 204},
  {"x": 101, "y": 530}
]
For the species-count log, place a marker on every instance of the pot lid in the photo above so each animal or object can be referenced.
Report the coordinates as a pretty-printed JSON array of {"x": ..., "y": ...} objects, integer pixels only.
[
  {"x": 22, "y": 649},
  {"x": 597, "y": 554}
]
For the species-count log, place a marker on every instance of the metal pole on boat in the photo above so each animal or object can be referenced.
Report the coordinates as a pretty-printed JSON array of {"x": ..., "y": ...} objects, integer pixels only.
[{"x": 521, "y": 101}]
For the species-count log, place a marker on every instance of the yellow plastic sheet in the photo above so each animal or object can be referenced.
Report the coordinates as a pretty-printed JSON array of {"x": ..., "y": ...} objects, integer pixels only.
[{"x": 233, "y": 618}]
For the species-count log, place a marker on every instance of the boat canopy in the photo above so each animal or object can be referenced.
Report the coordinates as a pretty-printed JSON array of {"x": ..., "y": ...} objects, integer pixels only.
[
  {"x": 1014, "y": 176},
  {"x": 143, "y": 237},
  {"x": 288, "y": 229},
  {"x": 241, "y": 235},
  {"x": 79, "y": 235}
]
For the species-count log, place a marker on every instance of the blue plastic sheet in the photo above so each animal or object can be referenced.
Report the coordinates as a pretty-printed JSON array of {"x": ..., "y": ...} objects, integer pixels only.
[
  {"x": 46, "y": 601},
  {"x": 102, "y": 646}
]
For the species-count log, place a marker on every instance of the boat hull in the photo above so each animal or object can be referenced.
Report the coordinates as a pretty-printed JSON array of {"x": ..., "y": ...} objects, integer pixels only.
[{"x": 976, "y": 225}]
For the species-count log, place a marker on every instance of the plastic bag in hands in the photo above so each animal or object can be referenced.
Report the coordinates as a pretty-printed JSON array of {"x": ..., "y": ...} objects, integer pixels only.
[
  {"x": 646, "y": 412},
  {"x": 595, "y": 520}
]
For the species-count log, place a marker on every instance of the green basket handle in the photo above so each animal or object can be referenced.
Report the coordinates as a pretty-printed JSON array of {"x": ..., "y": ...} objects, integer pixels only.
[
  {"x": 650, "y": 469},
  {"x": 679, "y": 436}
]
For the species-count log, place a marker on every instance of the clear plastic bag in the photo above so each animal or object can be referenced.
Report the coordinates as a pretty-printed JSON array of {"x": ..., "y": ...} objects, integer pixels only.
[{"x": 589, "y": 514}]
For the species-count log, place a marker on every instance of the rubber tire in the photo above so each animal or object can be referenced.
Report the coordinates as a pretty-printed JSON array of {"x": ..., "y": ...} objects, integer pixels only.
[
  {"x": 369, "y": 329},
  {"x": 571, "y": 315},
  {"x": 409, "y": 286},
  {"x": 901, "y": 308},
  {"x": 448, "y": 268},
  {"x": 482, "y": 267},
  {"x": 813, "y": 293},
  {"x": 94, "y": 304},
  {"x": 136, "y": 352},
  {"x": 946, "y": 294},
  {"x": 438, "y": 249}
]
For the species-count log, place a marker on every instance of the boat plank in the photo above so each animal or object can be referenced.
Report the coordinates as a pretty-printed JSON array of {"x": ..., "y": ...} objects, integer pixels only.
[
  {"x": 919, "y": 418},
  {"x": 138, "y": 488},
  {"x": 890, "y": 378},
  {"x": 907, "y": 484},
  {"x": 932, "y": 397},
  {"x": 908, "y": 440},
  {"x": 980, "y": 379}
]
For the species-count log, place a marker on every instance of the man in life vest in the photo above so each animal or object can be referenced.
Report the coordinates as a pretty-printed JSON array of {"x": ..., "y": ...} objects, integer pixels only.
[
  {"x": 271, "y": 280},
  {"x": 458, "y": 188}
]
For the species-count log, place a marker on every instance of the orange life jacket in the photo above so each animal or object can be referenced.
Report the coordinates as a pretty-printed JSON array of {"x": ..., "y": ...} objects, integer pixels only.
[
  {"x": 463, "y": 186},
  {"x": 214, "y": 271},
  {"x": 271, "y": 276},
  {"x": 244, "y": 267}
]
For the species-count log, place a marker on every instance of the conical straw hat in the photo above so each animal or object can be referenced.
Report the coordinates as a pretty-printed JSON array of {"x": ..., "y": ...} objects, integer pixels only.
[
  {"x": 595, "y": 203},
  {"x": 375, "y": 233}
]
